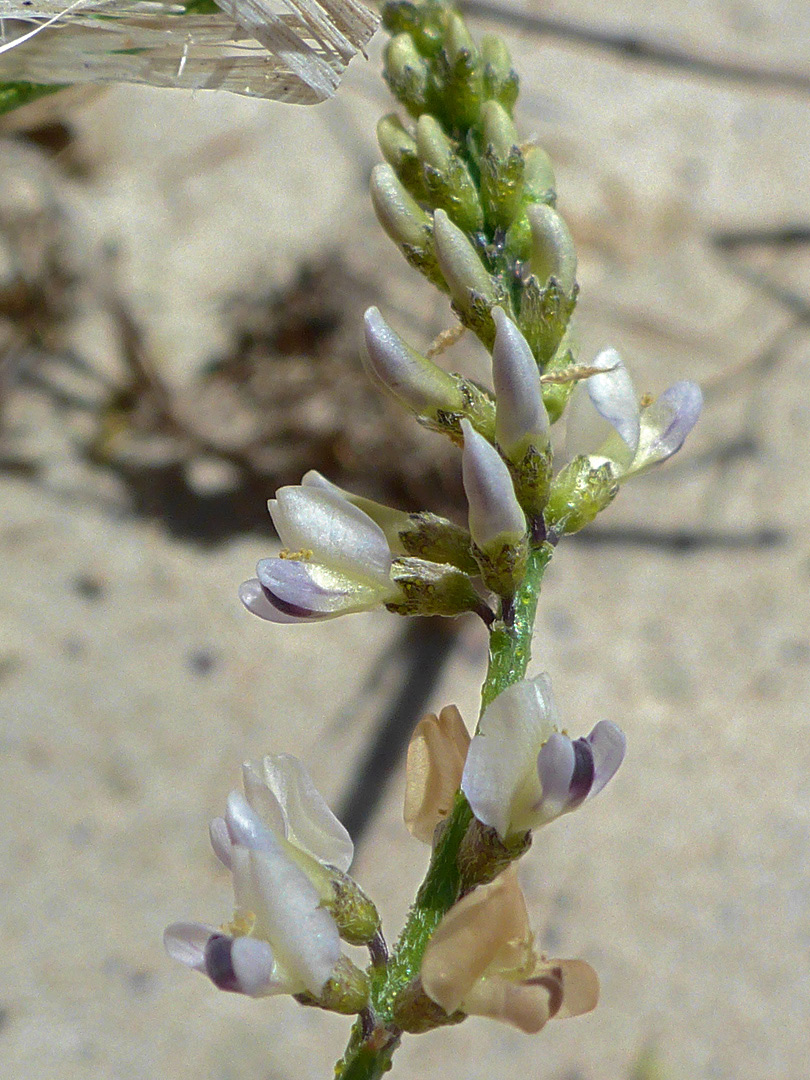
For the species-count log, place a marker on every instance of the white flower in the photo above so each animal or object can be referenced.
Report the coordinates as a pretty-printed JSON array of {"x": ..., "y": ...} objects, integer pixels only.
[
  {"x": 279, "y": 840},
  {"x": 481, "y": 960},
  {"x": 522, "y": 772},
  {"x": 643, "y": 435},
  {"x": 336, "y": 560}
]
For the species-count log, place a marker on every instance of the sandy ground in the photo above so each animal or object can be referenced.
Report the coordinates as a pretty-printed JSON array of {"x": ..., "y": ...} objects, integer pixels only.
[{"x": 133, "y": 684}]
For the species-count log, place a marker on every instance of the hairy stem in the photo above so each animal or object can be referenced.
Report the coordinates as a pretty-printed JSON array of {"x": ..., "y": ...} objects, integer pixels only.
[{"x": 368, "y": 1057}]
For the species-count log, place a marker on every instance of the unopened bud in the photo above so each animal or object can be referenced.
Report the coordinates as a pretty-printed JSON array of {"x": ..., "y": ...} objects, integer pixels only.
[
  {"x": 422, "y": 386},
  {"x": 539, "y": 184},
  {"x": 578, "y": 493},
  {"x": 473, "y": 290},
  {"x": 405, "y": 222},
  {"x": 446, "y": 177},
  {"x": 501, "y": 166},
  {"x": 407, "y": 73},
  {"x": 500, "y": 80},
  {"x": 497, "y": 523},
  {"x": 462, "y": 92},
  {"x": 399, "y": 150},
  {"x": 356, "y": 916},
  {"x": 521, "y": 421},
  {"x": 553, "y": 252}
]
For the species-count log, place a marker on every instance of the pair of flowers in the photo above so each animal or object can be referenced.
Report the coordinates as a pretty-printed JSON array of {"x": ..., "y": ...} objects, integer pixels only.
[
  {"x": 344, "y": 554},
  {"x": 288, "y": 856}
]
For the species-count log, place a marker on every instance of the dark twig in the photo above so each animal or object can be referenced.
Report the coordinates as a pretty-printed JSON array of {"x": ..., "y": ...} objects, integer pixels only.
[
  {"x": 426, "y": 645},
  {"x": 634, "y": 47}
]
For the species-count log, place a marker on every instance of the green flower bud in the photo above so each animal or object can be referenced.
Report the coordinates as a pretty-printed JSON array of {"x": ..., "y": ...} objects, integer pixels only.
[
  {"x": 501, "y": 166},
  {"x": 539, "y": 183},
  {"x": 543, "y": 318},
  {"x": 406, "y": 73},
  {"x": 356, "y": 916},
  {"x": 553, "y": 253},
  {"x": 461, "y": 92},
  {"x": 473, "y": 289},
  {"x": 578, "y": 493},
  {"x": 405, "y": 222},
  {"x": 446, "y": 177},
  {"x": 399, "y": 150},
  {"x": 500, "y": 80},
  {"x": 434, "y": 589}
]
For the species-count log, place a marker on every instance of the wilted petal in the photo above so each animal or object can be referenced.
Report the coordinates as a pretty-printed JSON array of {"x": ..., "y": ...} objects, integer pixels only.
[
  {"x": 614, "y": 396},
  {"x": 608, "y": 744},
  {"x": 436, "y": 756},
  {"x": 338, "y": 534},
  {"x": 500, "y": 777},
  {"x": 495, "y": 516},
  {"x": 475, "y": 934},
  {"x": 310, "y": 591},
  {"x": 580, "y": 986},
  {"x": 666, "y": 423},
  {"x": 309, "y": 823},
  {"x": 257, "y": 602},
  {"x": 525, "y": 1006}
]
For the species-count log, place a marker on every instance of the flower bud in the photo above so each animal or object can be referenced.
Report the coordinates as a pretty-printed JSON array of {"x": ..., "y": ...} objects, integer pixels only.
[
  {"x": 578, "y": 493},
  {"x": 471, "y": 286},
  {"x": 406, "y": 73},
  {"x": 354, "y": 913},
  {"x": 405, "y": 222},
  {"x": 500, "y": 79},
  {"x": 553, "y": 253},
  {"x": 399, "y": 150},
  {"x": 436, "y": 398},
  {"x": 446, "y": 177},
  {"x": 462, "y": 89},
  {"x": 497, "y": 523},
  {"x": 501, "y": 166},
  {"x": 539, "y": 184},
  {"x": 521, "y": 421}
]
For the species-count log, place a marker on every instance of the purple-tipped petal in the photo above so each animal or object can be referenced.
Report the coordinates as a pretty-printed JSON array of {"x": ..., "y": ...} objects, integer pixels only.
[
  {"x": 520, "y": 413},
  {"x": 666, "y": 423},
  {"x": 221, "y": 841},
  {"x": 311, "y": 591},
  {"x": 614, "y": 396},
  {"x": 555, "y": 768},
  {"x": 494, "y": 512},
  {"x": 608, "y": 745},
  {"x": 186, "y": 941},
  {"x": 258, "y": 603}
]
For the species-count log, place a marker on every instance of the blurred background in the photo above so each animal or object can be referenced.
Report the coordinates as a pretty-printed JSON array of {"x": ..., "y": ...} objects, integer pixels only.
[{"x": 181, "y": 282}]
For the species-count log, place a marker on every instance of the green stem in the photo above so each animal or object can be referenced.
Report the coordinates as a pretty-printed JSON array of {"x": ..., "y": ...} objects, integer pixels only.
[{"x": 509, "y": 655}]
